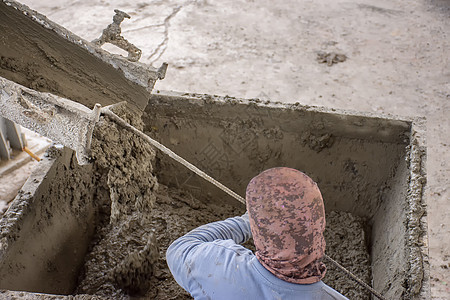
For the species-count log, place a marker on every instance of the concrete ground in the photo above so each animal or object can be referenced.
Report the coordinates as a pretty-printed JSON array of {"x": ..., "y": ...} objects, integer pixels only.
[{"x": 397, "y": 63}]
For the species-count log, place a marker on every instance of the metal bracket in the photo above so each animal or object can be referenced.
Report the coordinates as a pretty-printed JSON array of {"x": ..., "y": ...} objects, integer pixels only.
[
  {"x": 10, "y": 138},
  {"x": 59, "y": 119}
]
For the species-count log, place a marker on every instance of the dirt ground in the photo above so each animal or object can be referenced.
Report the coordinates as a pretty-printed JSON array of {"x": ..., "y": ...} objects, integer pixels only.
[{"x": 397, "y": 62}]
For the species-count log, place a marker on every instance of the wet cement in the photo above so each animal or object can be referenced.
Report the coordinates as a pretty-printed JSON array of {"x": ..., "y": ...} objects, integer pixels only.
[
  {"x": 176, "y": 212},
  {"x": 347, "y": 243},
  {"x": 124, "y": 249},
  {"x": 46, "y": 57}
]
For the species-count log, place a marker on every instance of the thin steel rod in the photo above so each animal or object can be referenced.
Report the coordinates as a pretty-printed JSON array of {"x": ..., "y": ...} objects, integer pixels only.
[{"x": 352, "y": 276}]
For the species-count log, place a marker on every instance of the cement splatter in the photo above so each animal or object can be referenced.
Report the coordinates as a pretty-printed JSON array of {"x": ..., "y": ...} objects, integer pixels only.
[{"x": 330, "y": 58}]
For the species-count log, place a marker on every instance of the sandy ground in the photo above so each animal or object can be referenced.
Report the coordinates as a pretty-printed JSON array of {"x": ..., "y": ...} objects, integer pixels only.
[{"x": 397, "y": 63}]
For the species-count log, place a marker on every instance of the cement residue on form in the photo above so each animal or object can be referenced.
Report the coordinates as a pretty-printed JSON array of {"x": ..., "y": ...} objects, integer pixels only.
[
  {"x": 317, "y": 142},
  {"x": 44, "y": 56},
  {"x": 416, "y": 212},
  {"x": 124, "y": 250}
]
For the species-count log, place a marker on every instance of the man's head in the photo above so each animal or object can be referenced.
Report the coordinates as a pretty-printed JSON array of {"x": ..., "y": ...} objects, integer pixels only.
[{"x": 287, "y": 219}]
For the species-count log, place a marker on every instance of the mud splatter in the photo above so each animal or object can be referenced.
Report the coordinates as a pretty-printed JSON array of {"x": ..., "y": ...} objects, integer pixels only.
[{"x": 330, "y": 58}]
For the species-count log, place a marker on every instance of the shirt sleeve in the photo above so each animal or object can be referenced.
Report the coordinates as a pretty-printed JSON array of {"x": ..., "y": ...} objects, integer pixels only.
[{"x": 181, "y": 253}]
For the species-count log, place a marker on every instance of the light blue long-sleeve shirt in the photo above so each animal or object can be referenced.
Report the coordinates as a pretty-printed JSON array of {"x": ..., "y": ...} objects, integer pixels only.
[{"x": 209, "y": 263}]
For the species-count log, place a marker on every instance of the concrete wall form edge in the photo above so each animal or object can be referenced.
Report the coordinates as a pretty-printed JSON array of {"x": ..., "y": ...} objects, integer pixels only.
[
  {"x": 418, "y": 285},
  {"x": 18, "y": 211}
]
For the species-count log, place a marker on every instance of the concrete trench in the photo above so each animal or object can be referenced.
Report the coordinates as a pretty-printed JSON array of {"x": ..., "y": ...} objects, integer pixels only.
[{"x": 370, "y": 169}]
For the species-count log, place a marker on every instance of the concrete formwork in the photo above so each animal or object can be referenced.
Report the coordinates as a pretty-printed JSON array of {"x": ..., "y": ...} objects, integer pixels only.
[
  {"x": 371, "y": 166},
  {"x": 46, "y": 230}
]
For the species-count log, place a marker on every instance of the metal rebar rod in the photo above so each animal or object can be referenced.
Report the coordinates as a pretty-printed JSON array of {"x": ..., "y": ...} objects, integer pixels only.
[{"x": 355, "y": 278}]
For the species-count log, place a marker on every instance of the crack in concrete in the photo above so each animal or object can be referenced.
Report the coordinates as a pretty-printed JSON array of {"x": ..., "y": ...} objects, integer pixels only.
[{"x": 161, "y": 48}]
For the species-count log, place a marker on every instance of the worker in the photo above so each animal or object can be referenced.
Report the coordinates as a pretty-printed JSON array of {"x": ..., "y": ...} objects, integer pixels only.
[{"x": 286, "y": 217}]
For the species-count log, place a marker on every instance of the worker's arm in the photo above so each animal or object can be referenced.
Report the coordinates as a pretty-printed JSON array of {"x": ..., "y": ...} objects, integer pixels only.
[
  {"x": 236, "y": 229},
  {"x": 184, "y": 255}
]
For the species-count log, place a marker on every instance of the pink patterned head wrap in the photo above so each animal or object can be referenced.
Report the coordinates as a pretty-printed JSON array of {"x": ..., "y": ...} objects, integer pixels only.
[{"x": 287, "y": 219}]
